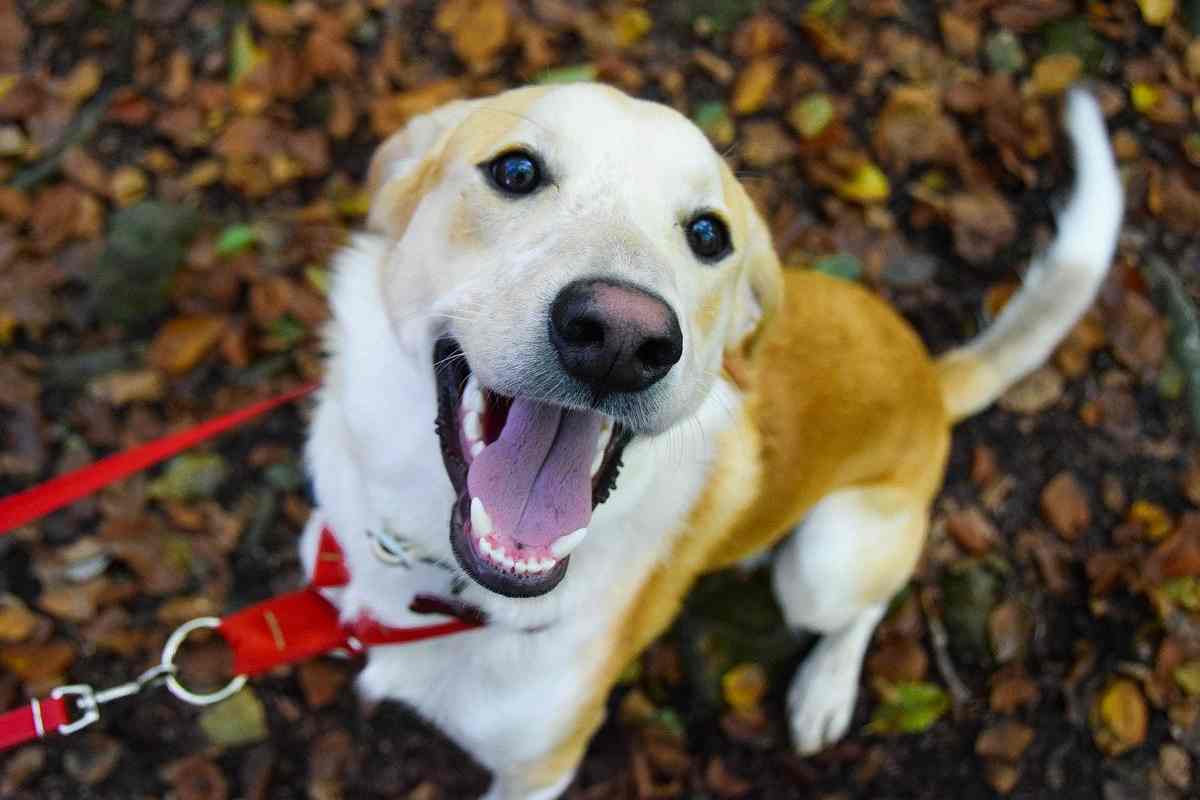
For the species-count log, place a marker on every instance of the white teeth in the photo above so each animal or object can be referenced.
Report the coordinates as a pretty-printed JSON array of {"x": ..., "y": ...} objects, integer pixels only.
[
  {"x": 522, "y": 567},
  {"x": 472, "y": 426},
  {"x": 476, "y": 449},
  {"x": 472, "y": 399},
  {"x": 567, "y": 544},
  {"x": 602, "y": 439},
  {"x": 481, "y": 523},
  {"x": 508, "y": 562},
  {"x": 546, "y": 564},
  {"x": 597, "y": 462}
]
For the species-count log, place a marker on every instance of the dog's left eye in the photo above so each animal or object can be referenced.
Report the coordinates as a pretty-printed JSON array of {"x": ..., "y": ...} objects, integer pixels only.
[
  {"x": 515, "y": 173},
  {"x": 708, "y": 237}
]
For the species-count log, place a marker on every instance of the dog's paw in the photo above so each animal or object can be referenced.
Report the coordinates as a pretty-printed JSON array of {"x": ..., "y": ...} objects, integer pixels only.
[{"x": 820, "y": 701}]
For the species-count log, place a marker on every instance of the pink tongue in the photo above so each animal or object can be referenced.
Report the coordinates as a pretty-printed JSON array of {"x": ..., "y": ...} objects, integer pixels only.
[{"x": 535, "y": 479}]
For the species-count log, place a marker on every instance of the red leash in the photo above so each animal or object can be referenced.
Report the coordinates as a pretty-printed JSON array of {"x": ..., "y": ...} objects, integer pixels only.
[
  {"x": 24, "y": 507},
  {"x": 279, "y": 631}
]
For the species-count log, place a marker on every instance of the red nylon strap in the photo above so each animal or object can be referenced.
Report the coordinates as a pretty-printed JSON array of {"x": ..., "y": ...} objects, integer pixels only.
[
  {"x": 32, "y": 722},
  {"x": 282, "y": 630},
  {"x": 24, "y": 507},
  {"x": 330, "y": 569},
  {"x": 300, "y": 625}
]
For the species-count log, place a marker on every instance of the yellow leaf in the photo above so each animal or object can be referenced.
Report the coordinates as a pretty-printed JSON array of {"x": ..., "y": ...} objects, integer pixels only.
[
  {"x": 8, "y": 326},
  {"x": 754, "y": 86},
  {"x": 7, "y": 82},
  {"x": 631, "y": 26},
  {"x": 1151, "y": 516},
  {"x": 1144, "y": 97},
  {"x": 1119, "y": 717},
  {"x": 867, "y": 184},
  {"x": 244, "y": 55},
  {"x": 1157, "y": 12},
  {"x": 744, "y": 686}
]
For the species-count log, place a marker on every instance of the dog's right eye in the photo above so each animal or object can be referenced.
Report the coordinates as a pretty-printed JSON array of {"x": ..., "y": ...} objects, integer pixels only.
[{"x": 515, "y": 173}]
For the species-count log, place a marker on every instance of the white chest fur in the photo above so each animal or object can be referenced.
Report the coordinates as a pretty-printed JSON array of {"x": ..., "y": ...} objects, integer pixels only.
[{"x": 502, "y": 691}]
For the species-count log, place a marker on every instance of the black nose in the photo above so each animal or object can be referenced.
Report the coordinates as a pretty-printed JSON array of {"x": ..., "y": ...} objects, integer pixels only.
[{"x": 614, "y": 337}]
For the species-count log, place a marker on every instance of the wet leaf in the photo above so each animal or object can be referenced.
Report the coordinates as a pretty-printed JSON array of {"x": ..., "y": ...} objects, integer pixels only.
[
  {"x": 909, "y": 708},
  {"x": 1188, "y": 677},
  {"x": 1157, "y": 12}
]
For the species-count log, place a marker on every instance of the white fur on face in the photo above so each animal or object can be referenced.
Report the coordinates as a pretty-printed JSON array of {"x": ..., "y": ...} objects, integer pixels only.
[{"x": 622, "y": 178}]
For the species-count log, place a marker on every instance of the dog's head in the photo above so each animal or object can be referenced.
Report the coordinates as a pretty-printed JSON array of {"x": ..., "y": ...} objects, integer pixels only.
[{"x": 580, "y": 261}]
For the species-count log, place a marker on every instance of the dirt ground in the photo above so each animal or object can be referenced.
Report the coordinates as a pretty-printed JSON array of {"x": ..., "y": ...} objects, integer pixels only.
[{"x": 174, "y": 176}]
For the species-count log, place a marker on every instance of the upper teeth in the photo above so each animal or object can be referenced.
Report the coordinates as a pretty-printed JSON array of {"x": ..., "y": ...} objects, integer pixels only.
[
  {"x": 564, "y": 546},
  {"x": 601, "y": 446}
]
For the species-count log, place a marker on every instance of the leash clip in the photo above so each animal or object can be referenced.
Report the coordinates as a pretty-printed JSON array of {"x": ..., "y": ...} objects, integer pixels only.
[{"x": 88, "y": 700}]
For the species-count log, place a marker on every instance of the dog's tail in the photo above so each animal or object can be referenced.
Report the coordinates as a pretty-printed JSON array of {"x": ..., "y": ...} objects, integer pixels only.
[{"x": 1059, "y": 286}]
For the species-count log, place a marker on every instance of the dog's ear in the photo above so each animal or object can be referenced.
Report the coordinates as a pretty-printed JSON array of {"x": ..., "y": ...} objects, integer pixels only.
[
  {"x": 760, "y": 288},
  {"x": 404, "y": 165}
]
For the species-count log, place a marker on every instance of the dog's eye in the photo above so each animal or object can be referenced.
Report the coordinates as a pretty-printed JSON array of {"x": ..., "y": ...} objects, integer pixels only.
[
  {"x": 515, "y": 173},
  {"x": 708, "y": 237}
]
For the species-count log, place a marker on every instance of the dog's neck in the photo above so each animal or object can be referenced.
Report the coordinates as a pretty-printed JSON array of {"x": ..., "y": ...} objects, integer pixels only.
[{"x": 376, "y": 461}]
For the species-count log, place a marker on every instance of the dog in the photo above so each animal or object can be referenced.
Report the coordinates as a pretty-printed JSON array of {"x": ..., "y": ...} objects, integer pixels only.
[{"x": 567, "y": 376}]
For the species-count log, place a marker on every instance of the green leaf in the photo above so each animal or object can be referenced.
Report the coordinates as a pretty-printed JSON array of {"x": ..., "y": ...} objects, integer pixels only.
[
  {"x": 572, "y": 74},
  {"x": 1073, "y": 35},
  {"x": 287, "y": 330},
  {"x": 812, "y": 114},
  {"x": 318, "y": 278},
  {"x": 190, "y": 476},
  {"x": 244, "y": 55},
  {"x": 1184, "y": 592},
  {"x": 235, "y": 239},
  {"x": 1188, "y": 677},
  {"x": 842, "y": 265},
  {"x": 909, "y": 708}
]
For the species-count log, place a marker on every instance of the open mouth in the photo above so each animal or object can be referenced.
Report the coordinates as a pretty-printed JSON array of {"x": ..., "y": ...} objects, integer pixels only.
[{"x": 528, "y": 474}]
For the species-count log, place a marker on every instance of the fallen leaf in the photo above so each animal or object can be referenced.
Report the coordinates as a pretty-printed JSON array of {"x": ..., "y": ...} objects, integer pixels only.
[
  {"x": 909, "y": 708},
  {"x": 1119, "y": 717},
  {"x": 184, "y": 341}
]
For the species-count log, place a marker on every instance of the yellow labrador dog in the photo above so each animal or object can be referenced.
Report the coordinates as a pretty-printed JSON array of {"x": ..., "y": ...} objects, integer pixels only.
[{"x": 567, "y": 377}]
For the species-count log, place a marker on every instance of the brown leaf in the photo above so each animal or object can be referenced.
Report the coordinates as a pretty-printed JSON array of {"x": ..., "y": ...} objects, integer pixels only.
[
  {"x": 759, "y": 35},
  {"x": 1024, "y": 16},
  {"x": 982, "y": 223},
  {"x": 972, "y": 530},
  {"x": 898, "y": 660},
  {"x": 196, "y": 778},
  {"x": 182, "y": 342},
  {"x": 754, "y": 86},
  {"x": 478, "y": 29},
  {"x": 390, "y": 112},
  {"x": 1064, "y": 504},
  {"x": 724, "y": 783},
  {"x": 1006, "y": 741}
]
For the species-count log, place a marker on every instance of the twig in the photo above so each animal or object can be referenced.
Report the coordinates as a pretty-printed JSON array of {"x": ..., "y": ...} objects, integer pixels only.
[{"x": 941, "y": 651}]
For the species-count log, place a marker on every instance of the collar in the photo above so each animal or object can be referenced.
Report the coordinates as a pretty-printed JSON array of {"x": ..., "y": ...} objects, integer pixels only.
[{"x": 330, "y": 572}]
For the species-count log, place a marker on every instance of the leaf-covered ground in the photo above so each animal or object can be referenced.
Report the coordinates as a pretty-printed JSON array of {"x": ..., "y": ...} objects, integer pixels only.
[{"x": 174, "y": 176}]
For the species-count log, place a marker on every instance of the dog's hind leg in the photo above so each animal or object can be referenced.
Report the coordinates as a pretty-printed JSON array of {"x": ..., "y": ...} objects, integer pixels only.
[{"x": 835, "y": 575}]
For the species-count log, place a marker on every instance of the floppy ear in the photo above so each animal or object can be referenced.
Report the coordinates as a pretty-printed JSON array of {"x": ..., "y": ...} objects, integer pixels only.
[
  {"x": 760, "y": 287},
  {"x": 406, "y": 163}
]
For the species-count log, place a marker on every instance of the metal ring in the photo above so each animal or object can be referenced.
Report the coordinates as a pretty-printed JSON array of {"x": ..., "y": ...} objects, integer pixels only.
[{"x": 171, "y": 648}]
